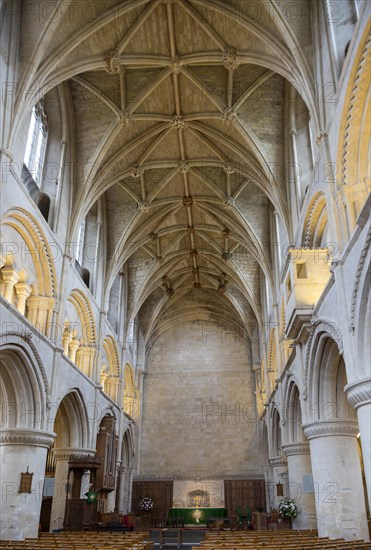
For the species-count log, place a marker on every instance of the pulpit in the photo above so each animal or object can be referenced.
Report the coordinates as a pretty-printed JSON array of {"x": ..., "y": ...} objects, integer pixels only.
[{"x": 81, "y": 513}]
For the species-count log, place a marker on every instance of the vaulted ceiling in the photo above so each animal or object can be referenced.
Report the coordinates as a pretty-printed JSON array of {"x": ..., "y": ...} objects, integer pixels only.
[{"x": 179, "y": 111}]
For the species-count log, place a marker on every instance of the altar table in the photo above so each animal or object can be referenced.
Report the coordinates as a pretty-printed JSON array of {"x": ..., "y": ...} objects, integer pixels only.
[{"x": 196, "y": 515}]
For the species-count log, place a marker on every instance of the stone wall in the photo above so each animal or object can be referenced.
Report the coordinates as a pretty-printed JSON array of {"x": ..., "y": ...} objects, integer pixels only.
[{"x": 199, "y": 417}]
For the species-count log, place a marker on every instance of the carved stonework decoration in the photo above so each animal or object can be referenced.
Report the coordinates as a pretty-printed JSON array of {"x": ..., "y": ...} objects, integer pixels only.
[
  {"x": 124, "y": 119},
  {"x": 226, "y": 255},
  {"x": 229, "y": 115},
  {"x": 228, "y": 169},
  {"x": 191, "y": 230},
  {"x": 153, "y": 236},
  {"x": 320, "y": 136},
  {"x": 175, "y": 65},
  {"x": 229, "y": 203},
  {"x": 359, "y": 272},
  {"x": 193, "y": 252},
  {"x": 183, "y": 167},
  {"x": 331, "y": 427},
  {"x": 170, "y": 291},
  {"x": 7, "y": 153},
  {"x": 178, "y": 122},
  {"x": 225, "y": 232},
  {"x": 135, "y": 171},
  {"x": 113, "y": 63},
  {"x": 299, "y": 448},
  {"x": 187, "y": 200},
  {"x": 319, "y": 325},
  {"x": 197, "y": 285},
  {"x": 230, "y": 60},
  {"x": 31, "y": 438},
  {"x": 143, "y": 206},
  {"x": 359, "y": 392}
]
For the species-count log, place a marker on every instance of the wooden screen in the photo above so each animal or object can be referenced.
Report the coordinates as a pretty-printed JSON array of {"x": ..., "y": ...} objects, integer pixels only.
[
  {"x": 242, "y": 493},
  {"x": 160, "y": 491},
  {"x": 107, "y": 442}
]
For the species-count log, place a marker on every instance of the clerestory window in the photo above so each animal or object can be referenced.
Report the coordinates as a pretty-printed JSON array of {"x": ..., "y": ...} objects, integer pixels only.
[{"x": 36, "y": 142}]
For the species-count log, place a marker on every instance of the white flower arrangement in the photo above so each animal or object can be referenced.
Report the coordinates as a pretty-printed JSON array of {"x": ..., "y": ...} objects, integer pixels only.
[
  {"x": 145, "y": 504},
  {"x": 287, "y": 508}
]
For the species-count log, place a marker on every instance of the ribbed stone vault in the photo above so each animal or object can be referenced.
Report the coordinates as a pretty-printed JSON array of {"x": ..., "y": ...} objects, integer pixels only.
[{"x": 178, "y": 111}]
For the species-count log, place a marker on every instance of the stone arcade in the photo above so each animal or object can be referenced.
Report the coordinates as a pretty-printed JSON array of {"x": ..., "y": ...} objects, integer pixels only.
[{"x": 185, "y": 258}]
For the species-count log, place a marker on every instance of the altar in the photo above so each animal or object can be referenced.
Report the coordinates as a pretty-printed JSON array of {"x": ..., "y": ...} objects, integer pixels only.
[{"x": 196, "y": 516}]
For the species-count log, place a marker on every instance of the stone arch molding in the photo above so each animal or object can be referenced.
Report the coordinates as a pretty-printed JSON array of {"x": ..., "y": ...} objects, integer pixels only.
[
  {"x": 319, "y": 326},
  {"x": 353, "y": 181},
  {"x": 27, "y": 381},
  {"x": 289, "y": 381},
  {"x": 74, "y": 419},
  {"x": 34, "y": 238},
  {"x": 362, "y": 265}
]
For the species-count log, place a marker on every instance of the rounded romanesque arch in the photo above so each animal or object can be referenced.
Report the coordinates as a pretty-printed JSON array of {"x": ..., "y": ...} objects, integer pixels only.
[
  {"x": 110, "y": 368},
  {"x": 80, "y": 336},
  {"x": 353, "y": 181},
  {"x": 27, "y": 272},
  {"x": 72, "y": 423},
  {"x": 315, "y": 223},
  {"x": 24, "y": 386},
  {"x": 129, "y": 404}
]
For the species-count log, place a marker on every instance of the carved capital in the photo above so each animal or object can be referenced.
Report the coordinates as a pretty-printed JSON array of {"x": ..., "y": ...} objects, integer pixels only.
[
  {"x": 19, "y": 436},
  {"x": 359, "y": 392},
  {"x": 331, "y": 427},
  {"x": 278, "y": 461},
  {"x": 300, "y": 448}
]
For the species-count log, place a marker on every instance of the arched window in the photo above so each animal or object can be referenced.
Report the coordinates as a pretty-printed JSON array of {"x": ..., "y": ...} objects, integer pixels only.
[{"x": 36, "y": 142}]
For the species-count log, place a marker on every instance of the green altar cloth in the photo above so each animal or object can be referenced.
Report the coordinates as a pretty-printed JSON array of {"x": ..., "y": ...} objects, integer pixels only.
[{"x": 196, "y": 515}]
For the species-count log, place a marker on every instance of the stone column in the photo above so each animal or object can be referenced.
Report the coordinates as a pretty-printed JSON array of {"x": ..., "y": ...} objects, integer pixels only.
[
  {"x": 299, "y": 465},
  {"x": 127, "y": 490},
  {"x": 120, "y": 497},
  {"x": 61, "y": 457},
  {"x": 23, "y": 291},
  {"x": 279, "y": 475},
  {"x": 340, "y": 503},
  {"x": 22, "y": 449},
  {"x": 359, "y": 395},
  {"x": 10, "y": 277}
]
